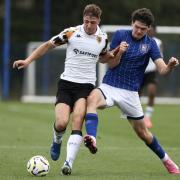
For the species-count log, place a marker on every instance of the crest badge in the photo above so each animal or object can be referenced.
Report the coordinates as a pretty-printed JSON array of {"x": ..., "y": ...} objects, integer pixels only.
[
  {"x": 99, "y": 39},
  {"x": 144, "y": 48}
]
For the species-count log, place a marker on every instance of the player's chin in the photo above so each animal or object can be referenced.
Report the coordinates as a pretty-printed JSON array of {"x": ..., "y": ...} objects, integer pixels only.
[
  {"x": 138, "y": 36},
  {"x": 90, "y": 32}
]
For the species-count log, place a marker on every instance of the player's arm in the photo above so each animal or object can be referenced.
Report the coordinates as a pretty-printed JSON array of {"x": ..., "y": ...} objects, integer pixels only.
[
  {"x": 104, "y": 58},
  {"x": 117, "y": 52},
  {"x": 164, "y": 68},
  {"x": 118, "y": 47},
  {"x": 106, "y": 55},
  {"x": 40, "y": 51},
  {"x": 112, "y": 58},
  {"x": 57, "y": 40}
]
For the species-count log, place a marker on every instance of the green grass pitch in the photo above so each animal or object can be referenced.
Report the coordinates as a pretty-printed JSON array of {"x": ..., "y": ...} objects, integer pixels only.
[{"x": 26, "y": 130}]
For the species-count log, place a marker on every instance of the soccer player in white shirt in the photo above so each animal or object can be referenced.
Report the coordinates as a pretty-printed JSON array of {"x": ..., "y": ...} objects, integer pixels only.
[{"x": 86, "y": 43}]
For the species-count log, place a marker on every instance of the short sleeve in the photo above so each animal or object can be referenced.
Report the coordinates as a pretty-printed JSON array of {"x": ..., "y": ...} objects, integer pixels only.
[
  {"x": 155, "y": 51},
  {"x": 63, "y": 36},
  {"x": 116, "y": 40}
]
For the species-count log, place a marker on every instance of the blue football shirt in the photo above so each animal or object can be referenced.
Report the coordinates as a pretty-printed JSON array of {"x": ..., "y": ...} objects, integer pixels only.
[{"x": 129, "y": 73}]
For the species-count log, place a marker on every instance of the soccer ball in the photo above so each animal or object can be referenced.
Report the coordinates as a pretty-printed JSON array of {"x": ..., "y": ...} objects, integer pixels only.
[{"x": 38, "y": 166}]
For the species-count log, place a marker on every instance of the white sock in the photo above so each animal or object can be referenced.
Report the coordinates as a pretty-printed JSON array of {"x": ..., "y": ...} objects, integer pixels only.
[
  {"x": 166, "y": 157},
  {"x": 57, "y": 136},
  {"x": 73, "y": 146},
  {"x": 149, "y": 111},
  {"x": 94, "y": 139}
]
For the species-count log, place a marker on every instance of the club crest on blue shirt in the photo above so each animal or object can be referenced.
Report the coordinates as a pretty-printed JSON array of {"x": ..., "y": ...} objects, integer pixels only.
[{"x": 144, "y": 48}]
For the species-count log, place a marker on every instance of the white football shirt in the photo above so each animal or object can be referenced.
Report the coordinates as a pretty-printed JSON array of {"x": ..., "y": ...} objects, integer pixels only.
[{"x": 82, "y": 53}]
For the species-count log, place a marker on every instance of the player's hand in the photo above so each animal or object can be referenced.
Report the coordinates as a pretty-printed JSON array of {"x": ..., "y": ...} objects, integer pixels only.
[
  {"x": 173, "y": 62},
  {"x": 121, "y": 48},
  {"x": 19, "y": 64},
  {"x": 111, "y": 54}
]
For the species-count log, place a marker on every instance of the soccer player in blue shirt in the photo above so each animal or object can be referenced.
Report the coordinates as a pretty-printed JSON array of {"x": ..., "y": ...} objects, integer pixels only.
[{"x": 122, "y": 81}]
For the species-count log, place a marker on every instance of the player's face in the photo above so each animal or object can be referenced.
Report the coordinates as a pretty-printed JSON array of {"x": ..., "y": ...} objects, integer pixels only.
[
  {"x": 90, "y": 24},
  {"x": 139, "y": 29}
]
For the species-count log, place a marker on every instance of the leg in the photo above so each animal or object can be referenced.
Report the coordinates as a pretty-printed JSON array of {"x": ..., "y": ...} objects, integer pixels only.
[
  {"x": 75, "y": 138},
  {"x": 62, "y": 112},
  {"x": 151, "y": 89},
  {"x": 141, "y": 130},
  {"x": 95, "y": 100}
]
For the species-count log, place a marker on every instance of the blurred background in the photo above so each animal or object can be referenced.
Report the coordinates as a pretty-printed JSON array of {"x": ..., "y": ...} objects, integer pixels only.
[{"x": 24, "y": 23}]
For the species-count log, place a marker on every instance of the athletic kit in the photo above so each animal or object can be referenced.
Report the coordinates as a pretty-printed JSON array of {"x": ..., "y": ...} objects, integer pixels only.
[
  {"x": 128, "y": 75},
  {"x": 82, "y": 54}
]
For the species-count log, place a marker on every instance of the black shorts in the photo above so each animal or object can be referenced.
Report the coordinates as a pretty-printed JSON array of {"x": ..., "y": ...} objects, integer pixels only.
[
  {"x": 149, "y": 78},
  {"x": 69, "y": 92}
]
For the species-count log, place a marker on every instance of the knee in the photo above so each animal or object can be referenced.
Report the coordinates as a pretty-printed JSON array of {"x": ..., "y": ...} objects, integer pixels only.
[
  {"x": 60, "y": 124},
  {"x": 91, "y": 100}
]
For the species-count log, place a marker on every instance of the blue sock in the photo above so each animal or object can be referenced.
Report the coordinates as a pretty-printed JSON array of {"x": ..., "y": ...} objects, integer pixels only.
[
  {"x": 91, "y": 123},
  {"x": 156, "y": 148}
]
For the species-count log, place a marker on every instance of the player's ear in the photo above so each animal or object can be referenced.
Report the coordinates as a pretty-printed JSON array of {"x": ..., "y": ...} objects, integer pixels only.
[
  {"x": 149, "y": 27},
  {"x": 132, "y": 23},
  {"x": 99, "y": 21}
]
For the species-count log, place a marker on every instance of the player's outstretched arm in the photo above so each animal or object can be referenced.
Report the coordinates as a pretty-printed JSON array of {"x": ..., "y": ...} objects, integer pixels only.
[
  {"x": 163, "y": 68},
  {"x": 40, "y": 51}
]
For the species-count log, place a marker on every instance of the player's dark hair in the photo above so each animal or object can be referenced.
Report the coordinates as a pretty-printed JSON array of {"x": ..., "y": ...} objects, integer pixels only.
[
  {"x": 92, "y": 10},
  {"x": 153, "y": 25},
  {"x": 143, "y": 15}
]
